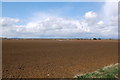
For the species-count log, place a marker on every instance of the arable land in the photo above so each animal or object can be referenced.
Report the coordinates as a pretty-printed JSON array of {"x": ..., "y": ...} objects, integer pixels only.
[{"x": 56, "y": 58}]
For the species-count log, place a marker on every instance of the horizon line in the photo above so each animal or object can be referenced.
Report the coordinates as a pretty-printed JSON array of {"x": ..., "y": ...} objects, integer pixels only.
[{"x": 52, "y": 38}]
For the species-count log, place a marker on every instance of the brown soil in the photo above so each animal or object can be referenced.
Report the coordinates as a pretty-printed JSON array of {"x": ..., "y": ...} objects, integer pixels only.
[{"x": 56, "y": 58}]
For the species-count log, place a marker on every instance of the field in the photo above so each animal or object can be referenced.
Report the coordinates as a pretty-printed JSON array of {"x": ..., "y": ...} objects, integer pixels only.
[{"x": 56, "y": 58}]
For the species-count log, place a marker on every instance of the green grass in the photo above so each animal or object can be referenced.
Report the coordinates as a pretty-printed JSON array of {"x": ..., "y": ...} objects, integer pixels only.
[{"x": 111, "y": 71}]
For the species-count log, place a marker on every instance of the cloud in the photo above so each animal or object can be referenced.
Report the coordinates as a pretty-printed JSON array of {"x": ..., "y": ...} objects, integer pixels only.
[
  {"x": 100, "y": 23},
  {"x": 90, "y": 15},
  {"x": 9, "y": 21},
  {"x": 49, "y": 26},
  {"x": 55, "y": 27},
  {"x": 110, "y": 9},
  {"x": 110, "y": 18}
]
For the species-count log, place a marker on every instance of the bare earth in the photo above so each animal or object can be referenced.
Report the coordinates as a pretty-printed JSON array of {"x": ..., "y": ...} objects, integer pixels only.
[{"x": 56, "y": 58}]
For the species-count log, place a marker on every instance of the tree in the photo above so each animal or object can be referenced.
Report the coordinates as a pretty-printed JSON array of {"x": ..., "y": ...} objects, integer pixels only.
[{"x": 94, "y": 38}]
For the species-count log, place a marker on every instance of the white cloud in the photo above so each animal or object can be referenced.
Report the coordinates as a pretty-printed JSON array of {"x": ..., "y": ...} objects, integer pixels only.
[
  {"x": 50, "y": 26},
  {"x": 100, "y": 23},
  {"x": 90, "y": 15},
  {"x": 110, "y": 9},
  {"x": 8, "y": 21}
]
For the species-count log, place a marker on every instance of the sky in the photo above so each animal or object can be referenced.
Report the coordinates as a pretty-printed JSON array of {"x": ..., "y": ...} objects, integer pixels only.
[{"x": 59, "y": 19}]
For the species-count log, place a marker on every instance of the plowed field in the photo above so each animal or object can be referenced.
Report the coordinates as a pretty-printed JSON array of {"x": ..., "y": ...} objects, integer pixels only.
[{"x": 56, "y": 58}]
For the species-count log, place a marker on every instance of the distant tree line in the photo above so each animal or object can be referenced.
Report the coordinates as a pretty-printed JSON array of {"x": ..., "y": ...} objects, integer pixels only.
[
  {"x": 4, "y": 38},
  {"x": 92, "y": 39}
]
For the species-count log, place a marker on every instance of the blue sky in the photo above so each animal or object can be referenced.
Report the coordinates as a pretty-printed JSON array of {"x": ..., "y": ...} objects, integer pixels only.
[
  {"x": 59, "y": 19},
  {"x": 66, "y": 9}
]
